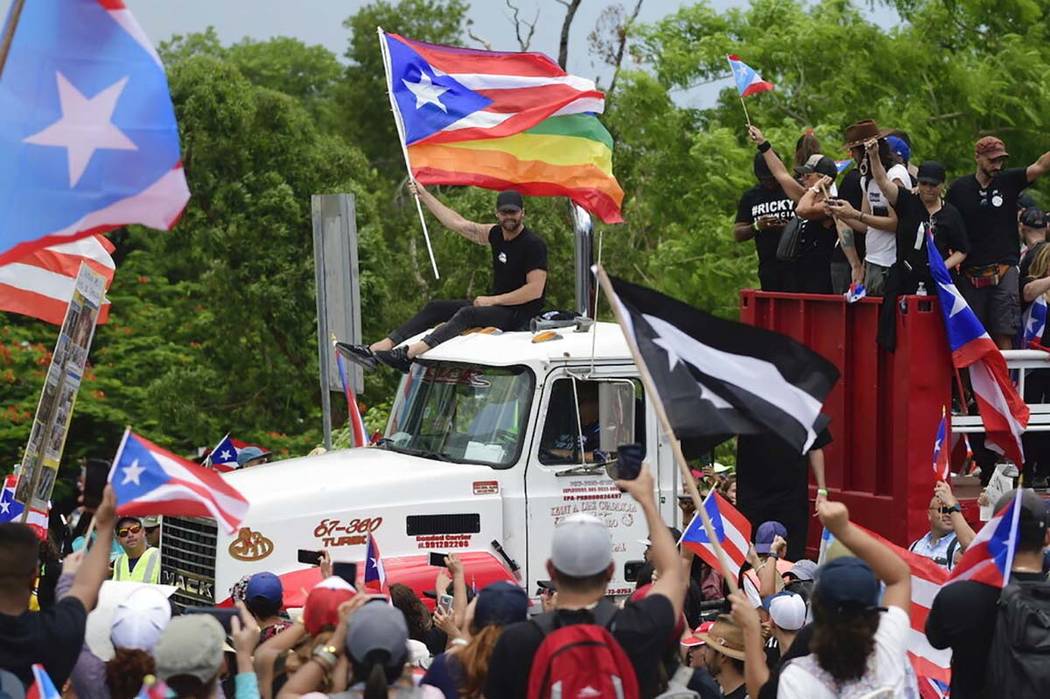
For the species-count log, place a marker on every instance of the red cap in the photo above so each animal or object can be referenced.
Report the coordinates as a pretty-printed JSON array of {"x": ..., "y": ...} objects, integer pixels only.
[
  {"x": 694, "y": 640},
  {"x": 990, "y": 147},
  {"x": 322, "y": 604}
]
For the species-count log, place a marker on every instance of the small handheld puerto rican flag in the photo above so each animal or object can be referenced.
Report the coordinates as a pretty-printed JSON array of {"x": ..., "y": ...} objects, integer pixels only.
[
  {"x": 731, "y": 528},
  {"x": 855, "y": 293},
  {"x": 941, "y": 455},
  {"x": 375, "y": 574},
  {"x": 223, "y": 457},
  {"x": 748, "y": 81},
  {"x": 1030, "y": 335},
  {"x": 42, "y": 687}
]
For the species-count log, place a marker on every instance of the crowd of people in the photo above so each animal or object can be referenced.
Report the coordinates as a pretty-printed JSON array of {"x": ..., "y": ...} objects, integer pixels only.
[{"x": 840, "y": 628}]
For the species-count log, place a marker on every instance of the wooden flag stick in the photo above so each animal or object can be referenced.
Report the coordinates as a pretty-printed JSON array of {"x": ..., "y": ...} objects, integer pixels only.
[
  {"x": 747, "y": 118},
  {"x": 665, "y": 422},
  {"x": 9, "y": 32},
  {"x": 404, "y": 148}
]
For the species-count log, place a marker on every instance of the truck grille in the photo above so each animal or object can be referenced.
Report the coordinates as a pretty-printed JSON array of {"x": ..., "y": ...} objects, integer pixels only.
[{"x": 187, "y": 559}]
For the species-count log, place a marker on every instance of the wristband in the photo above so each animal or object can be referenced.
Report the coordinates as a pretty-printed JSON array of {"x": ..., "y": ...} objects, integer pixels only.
[
  {"x": 764, "y": 146},
  {"x": 325, "y": 656},
  {"x": 822, "y": 491}
]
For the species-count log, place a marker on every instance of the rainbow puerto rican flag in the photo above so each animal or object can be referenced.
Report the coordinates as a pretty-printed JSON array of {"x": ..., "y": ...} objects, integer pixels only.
[{"x": 748, "y": 81}]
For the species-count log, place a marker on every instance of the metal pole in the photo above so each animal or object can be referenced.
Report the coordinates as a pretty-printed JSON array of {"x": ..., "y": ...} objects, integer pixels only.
[
  {"x": 584, "y": 230},
  {"x": 9, "y": 32}
]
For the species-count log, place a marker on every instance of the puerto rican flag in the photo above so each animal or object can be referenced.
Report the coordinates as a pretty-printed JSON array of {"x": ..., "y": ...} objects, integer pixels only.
[
  {"x": 990, "y": 556},
  {"x": 1033, "y": 325},
  {"x": 42, "y": 687},
  {"x": 375, "y": 573},
  {"x": 1004, "y": 414},
  {"x": 88, "y": 139},
  {"x": 748, "y": 82},
  {"x": 731, "y": 528},
  {"x": 40, "y": 284},
  {"x": 446, "y": 94},
  {"x": 941, "y": 454},
  {"x": 11, "y": 509},
  {"x": 223, "y": 457},
  {"x": 149, "y": 480},
  {"x": 357, "y": 425}
]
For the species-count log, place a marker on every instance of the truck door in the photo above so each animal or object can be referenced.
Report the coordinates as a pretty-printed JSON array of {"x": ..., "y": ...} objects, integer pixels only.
[{"x": 577, "y": 418}]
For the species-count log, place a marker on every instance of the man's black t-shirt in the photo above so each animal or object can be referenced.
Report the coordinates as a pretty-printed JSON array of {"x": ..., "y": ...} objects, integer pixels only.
[
  {"x": 643, "y": 628},
  {"x": 512, "y": 260},
  {"x": 762, "y": 201},
  {"x": 990, "y": 215},
  {"x": 963, "y": 618},
  {"x": 913, "y": 221},
  {"x": 52, "y": 637}
]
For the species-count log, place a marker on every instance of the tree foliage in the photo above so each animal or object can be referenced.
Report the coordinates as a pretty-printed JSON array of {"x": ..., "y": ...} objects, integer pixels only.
[{"x": 213, "y": 325}]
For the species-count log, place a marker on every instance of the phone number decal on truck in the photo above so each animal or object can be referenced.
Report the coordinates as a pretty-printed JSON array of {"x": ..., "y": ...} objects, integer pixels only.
[{"x": 332, "y": 532}]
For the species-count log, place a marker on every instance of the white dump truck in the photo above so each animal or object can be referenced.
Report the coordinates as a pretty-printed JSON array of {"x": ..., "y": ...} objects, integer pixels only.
[{"x": 481, "y": 458}]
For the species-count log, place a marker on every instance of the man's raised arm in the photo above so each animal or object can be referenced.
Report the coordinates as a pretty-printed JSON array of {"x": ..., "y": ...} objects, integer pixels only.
[
  {"x": 1039, "y": 167},
  {"x": 472, "y": 231}
]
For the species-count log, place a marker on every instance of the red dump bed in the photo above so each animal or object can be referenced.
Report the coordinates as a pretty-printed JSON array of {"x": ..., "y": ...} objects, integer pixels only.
[{"x": 885, "y": 408}]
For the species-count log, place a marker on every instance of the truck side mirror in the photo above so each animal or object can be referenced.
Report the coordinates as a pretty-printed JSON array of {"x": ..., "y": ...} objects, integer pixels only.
[{"x": 616, "y": 414}]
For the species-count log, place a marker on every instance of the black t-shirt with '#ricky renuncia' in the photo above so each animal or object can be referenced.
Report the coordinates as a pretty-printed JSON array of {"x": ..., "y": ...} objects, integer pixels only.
[
  {"x": 761, "y": 201},
  {"x": 990, "y": 214},
  {"x": 512, "y": 260}
]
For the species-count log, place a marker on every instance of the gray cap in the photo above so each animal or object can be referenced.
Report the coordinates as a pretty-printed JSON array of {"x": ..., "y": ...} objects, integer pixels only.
[
  {"x": 192, "y": 645},
  {"x": 804, "y": 569},
  {"x": 581, "y": 546},
  {"x": 378, "y": 626}
]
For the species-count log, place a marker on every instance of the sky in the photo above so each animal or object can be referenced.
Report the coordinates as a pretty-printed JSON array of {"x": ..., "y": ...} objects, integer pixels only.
[{"x": 321, "y": 22}]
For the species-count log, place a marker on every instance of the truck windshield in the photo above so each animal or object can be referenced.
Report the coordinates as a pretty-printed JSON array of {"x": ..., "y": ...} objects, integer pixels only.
[{"x": 462, "y": 412}]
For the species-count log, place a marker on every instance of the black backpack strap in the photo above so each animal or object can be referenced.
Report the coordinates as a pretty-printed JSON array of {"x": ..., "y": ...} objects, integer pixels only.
[{"x": 951, "y": 552}]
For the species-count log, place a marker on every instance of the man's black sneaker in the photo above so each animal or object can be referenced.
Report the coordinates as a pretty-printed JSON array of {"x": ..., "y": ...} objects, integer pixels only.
[
  {"x": 358, "y": 354},
  {"x": 396, "y": 358}
]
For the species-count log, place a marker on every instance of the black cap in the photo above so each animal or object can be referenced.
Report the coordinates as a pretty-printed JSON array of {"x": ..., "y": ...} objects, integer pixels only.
[
  {"x": 1033, "y": 218},
  {"x": 932, "y": 172},
  {"x": 509, "y": 199},
  {"x": 821, "y": 164},
  {"x": 1026, "y": 201}
]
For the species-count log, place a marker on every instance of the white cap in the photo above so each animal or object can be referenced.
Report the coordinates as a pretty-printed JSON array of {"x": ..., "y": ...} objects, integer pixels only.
[
  {"x": 139, "y": 619},
  {"x": 788, "y": 612},
  {"x": 719, "y": 468},
  {"x": 97, "y": 635},
  {"x": 581, "y": 546}
]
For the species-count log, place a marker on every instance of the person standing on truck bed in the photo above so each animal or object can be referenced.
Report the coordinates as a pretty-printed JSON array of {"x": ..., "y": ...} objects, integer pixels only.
[{"x": 519, "y": 278}]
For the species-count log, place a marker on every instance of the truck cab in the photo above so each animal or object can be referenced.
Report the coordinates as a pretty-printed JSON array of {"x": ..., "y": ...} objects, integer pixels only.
[{"x": 491, "y": 442}]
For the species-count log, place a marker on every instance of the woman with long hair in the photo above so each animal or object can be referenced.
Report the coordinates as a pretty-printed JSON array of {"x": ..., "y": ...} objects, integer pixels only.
[
  {"x": 859, "y": 643},
  {"x": 462, "y": 670}
]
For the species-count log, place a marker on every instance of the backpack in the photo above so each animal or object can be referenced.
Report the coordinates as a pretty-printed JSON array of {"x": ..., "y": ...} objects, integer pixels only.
[
  {"x": 790, "y": 243},
  {"x": 1019, "y": 661},
  {"x": 581, "y": 661}
]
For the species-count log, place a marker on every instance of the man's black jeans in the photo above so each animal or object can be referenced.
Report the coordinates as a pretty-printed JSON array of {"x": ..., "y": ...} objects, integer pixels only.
[{"x": 456, "y": 315}]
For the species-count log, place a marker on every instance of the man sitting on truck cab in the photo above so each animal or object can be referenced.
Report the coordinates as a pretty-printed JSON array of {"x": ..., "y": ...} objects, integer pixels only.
[{"x": 519, "y": 277}]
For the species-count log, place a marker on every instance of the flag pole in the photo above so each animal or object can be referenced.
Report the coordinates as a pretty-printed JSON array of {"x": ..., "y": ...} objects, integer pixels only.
[
  {"x": 665, "y": 422},
  {"x": 404, "y": 148},
  {"x": 9, "y": 32}
]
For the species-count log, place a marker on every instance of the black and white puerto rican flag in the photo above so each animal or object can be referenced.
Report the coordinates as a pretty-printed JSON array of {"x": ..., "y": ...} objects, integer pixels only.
[{"x": 719, "y": 378}]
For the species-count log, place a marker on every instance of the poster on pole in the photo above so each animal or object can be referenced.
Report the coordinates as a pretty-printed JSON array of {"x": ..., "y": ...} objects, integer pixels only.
[{"x": 39, "y": 468}]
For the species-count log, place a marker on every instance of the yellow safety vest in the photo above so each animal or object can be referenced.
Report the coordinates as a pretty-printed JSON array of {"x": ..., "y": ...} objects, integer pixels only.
[{"x": 147, "y": 569}]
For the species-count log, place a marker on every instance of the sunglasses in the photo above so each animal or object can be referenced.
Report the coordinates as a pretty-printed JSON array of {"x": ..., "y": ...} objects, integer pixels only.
[
  {"x": 133, "y": 529},
  {"x": 942, "y": 510}
]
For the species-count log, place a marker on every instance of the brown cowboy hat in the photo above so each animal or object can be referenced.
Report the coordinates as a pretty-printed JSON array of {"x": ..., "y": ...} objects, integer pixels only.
[
  {"x": 863, "y": 131},
  {"x": 724, "y": 637}
]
